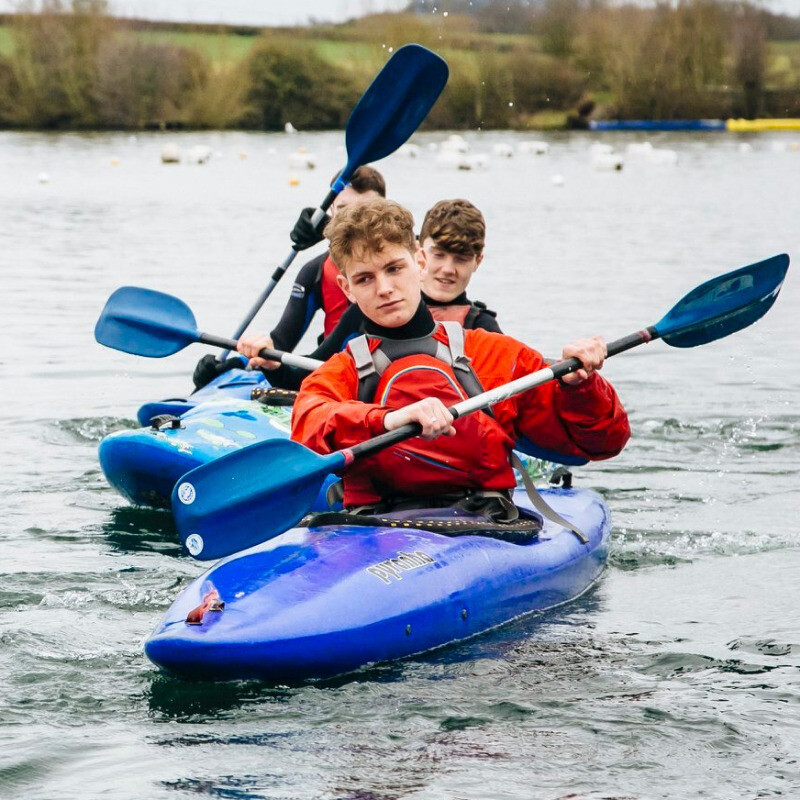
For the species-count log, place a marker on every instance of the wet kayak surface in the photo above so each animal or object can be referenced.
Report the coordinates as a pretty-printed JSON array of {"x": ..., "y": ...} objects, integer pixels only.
[{"x": 675, "y": 676}]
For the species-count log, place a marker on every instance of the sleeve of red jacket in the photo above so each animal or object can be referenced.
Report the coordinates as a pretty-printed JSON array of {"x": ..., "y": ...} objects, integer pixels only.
[
  {"x": 587, "y": 421},
  {"x": 327, "y": 416}
]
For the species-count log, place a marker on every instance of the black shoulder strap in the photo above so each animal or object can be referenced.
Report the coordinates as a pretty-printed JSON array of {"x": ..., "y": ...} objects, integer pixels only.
[{"x": 476, "y": 308}]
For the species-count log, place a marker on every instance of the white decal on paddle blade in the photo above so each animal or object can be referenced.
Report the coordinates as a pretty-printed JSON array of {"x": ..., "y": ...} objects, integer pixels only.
[
  {"x": 194, "y": 544},
  {"x": 186, "y": 493}
]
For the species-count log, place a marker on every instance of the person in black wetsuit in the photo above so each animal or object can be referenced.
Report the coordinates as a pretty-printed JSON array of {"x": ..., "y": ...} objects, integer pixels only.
[
  {"x": 316, "y": 287},
  {"x": 451, "y": 243}
]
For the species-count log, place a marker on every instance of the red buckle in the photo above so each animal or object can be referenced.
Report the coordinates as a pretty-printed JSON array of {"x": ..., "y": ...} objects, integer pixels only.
[{"x": 211, "y": 602}]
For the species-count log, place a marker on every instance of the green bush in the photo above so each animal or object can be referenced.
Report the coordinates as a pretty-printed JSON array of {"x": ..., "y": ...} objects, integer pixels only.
[
  {"x": 292, "y": 84},
  {"x": 143, "y": 85}
]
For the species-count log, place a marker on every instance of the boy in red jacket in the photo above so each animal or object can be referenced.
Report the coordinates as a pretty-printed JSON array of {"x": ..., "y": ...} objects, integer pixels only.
[{"x": 409, "y": 368}]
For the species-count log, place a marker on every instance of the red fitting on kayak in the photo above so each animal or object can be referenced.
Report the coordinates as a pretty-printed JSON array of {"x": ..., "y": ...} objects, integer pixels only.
[{"x": 211, "y": 602}]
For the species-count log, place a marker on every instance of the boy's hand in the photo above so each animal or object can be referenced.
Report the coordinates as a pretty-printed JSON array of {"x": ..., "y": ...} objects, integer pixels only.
[
  {"x": 590, "y": 352},
  {"x": 251, "y": 346},
  {"x": 305, "y": 234},
  {"x": 431, "y": 413}
]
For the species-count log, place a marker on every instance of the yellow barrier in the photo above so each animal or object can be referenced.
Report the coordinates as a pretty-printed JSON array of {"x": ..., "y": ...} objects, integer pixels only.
[{"x": 762, "y": 124}]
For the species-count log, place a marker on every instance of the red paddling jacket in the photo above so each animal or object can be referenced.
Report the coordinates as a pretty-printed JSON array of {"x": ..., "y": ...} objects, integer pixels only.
[{"x": 586, "y": 421}]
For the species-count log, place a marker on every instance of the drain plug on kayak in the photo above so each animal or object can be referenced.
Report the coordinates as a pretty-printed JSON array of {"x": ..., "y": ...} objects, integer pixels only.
[{"x": 408, "y": 630}]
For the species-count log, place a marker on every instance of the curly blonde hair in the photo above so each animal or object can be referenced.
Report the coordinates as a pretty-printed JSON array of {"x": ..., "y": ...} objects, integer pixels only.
[{"x": 366, "y": 228}]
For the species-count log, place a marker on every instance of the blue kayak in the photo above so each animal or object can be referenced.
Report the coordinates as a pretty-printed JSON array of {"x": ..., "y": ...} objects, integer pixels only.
[
  {"x": 235, "y": 384},
  {"x": 319, "y": 602},
  {"x": 144, "y": 464},
  {"x": 657, "y": 125}
]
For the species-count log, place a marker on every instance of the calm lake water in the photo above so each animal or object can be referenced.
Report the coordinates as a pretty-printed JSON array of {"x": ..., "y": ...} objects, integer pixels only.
[{"x": 677, "y": 676}]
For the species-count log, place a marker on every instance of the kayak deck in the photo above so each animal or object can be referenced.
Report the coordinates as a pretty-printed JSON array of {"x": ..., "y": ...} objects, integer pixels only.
[{"x": 314, "y": 603}]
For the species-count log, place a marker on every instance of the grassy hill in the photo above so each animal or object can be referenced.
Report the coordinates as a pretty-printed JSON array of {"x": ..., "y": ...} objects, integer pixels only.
[{"x": 703, "y": 58}]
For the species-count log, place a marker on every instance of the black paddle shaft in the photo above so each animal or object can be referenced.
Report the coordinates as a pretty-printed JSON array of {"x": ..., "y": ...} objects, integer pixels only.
[{"x": 266, "y": 352}]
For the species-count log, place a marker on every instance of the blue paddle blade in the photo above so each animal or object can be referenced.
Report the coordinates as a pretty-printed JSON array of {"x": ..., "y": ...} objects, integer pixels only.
[
  {"x": 394, "y": 105},
  {"x": 725, "y": 304},
  {"x": 145, "y": 323},
  {"x": 249, "y": 496}
]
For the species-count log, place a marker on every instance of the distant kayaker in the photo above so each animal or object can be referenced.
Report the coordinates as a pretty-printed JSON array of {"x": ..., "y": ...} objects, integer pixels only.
[
  {"x": 409, "y": 368},
  {"x": 316, "y": 287}
]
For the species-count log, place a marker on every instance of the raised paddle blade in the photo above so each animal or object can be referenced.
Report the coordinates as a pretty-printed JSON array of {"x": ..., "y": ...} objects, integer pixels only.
[
  {"x": 725, "y": 304},
  {"x": 393, "y": 106},
  {"x": 145, "y": 323},
  {"x": 248, "y": 496}
]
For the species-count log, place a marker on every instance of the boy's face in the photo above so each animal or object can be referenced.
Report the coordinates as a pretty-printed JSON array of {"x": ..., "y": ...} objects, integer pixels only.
[
  {"x": 447, "y": 274},
  {"x": 384, "y": 285}
]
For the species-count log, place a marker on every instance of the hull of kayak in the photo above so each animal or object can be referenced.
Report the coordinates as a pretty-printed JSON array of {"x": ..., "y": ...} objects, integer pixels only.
[
  {"x": 314, "y": 603},
  {"x": 143, "y": 465}
]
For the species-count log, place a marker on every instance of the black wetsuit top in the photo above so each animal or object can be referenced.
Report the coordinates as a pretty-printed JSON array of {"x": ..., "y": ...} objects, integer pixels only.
[{"x": 304, "y": 301}]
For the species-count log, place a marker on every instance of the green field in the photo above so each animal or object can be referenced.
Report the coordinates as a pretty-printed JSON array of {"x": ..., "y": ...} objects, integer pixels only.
[
  {"x": 219, "y": 48},
  {"x": 6, "y": 42}
]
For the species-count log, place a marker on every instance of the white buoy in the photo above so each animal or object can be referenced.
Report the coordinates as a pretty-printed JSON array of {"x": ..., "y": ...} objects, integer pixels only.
[
  {"x": 170, "y": 154},
  {"x": 455, "y": 143},
  {"x": 289, "y": 128},
  {"x": 477, "y": 160},
  {"x": 745, "y": 147},
  {"x": 503, "y": 150},
  {"x": 302, "y": 160},
  {"x": 409, "y": 150},
  {"x": 662, "y": 155},
  {"x": 600, "y": 148},
  {"x": 607, "y": 161},
  {"x": 537, "y": 148},
  {"x": 639, "y": 149},
  {"x": 199, "y": 154},
  {"x": 43, "y": 177},
  {"x": 557, "y": 180}
]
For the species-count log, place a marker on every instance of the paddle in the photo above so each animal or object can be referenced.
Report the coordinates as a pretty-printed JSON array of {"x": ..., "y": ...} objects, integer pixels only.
[
  {"x": 256, "y": 493},
  {"x": 390, "y": 110},
  {"x": 154, "y": 324}
]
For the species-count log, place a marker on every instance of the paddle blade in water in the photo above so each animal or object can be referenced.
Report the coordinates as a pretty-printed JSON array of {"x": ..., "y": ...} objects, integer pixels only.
[
  {"x": 145, "y": 323},
  {"x": 394, "y": 105},
  {"x": 249, "y": 496},
  {"x": 725, "y": 304}
]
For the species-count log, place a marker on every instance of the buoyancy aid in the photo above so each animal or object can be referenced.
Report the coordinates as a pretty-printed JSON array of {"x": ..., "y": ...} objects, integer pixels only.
[
  {"x": 396, "y": 373},
  {"x": 334, "y": 300},
  {"x": 464, "y": 314}
]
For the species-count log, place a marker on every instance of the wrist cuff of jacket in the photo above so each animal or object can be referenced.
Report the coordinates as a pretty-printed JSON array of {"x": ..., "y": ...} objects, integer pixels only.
[
  {"x": 585, "y": 385},
  {"x": 375, "y": 420}
]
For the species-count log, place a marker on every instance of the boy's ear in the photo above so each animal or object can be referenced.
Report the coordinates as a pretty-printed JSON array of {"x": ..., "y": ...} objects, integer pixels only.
[
  {"x": 478, "y": 260},
  {"x": 421, "y": 257},
  {"x": 341, "y": 280}
]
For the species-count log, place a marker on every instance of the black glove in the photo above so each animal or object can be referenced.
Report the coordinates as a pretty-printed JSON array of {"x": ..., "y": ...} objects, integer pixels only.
[
  {"x": 208, "y": 368},
  {"x": 304, "y": 234}
]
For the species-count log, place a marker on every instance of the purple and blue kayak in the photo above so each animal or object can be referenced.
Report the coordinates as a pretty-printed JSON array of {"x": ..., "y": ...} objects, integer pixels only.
[{"x": 319, "y": 602}]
